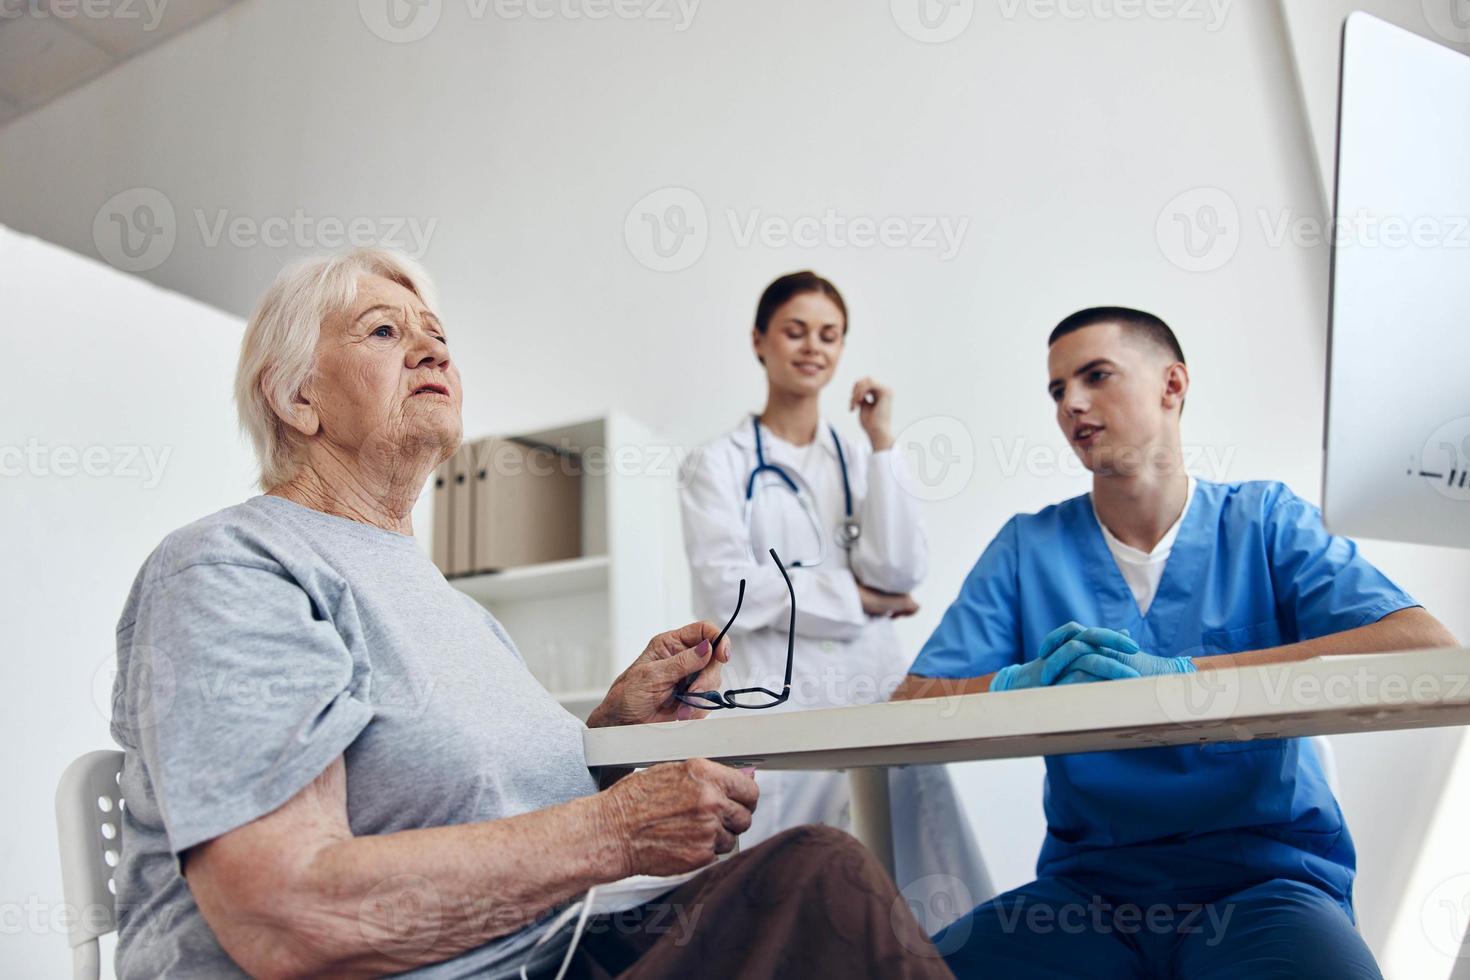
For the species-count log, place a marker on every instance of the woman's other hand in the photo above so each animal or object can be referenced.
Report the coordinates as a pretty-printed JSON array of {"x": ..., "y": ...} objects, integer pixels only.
[
  {"x": 892, "y": 605},
  {"x": 644, "y": 693},
  {"x": 874, "y": 404},
  {"x": 679, "y": 816}
]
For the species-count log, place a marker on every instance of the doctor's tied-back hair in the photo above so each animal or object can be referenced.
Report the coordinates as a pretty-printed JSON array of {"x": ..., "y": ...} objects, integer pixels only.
[
  {"x": 1136, "y": 322},
  {"x": 794, "y": 284}
]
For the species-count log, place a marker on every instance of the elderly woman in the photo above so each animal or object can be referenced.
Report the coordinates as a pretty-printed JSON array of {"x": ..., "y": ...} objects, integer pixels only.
[{"x": 337, "y": 764}]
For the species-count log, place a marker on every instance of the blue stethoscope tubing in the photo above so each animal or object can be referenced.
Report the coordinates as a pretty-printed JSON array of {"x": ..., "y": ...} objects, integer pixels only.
[{"x": 847, "y": 534}]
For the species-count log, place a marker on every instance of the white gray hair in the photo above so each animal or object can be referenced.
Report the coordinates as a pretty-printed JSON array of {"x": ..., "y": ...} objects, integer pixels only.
[{"x": 278, "y": 352}]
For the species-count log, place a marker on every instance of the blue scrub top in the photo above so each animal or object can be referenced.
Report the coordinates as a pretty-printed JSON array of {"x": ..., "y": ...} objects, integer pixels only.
[{"x": 1252, "y": 568}]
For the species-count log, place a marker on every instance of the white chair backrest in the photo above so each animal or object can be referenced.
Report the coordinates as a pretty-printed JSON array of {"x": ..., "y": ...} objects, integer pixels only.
[
  {"x": 88, "y": 824},
  {"x": 1328, "y": 757}
]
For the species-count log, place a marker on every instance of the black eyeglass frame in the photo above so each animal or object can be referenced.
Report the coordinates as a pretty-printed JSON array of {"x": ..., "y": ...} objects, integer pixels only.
[{"x": 715, "y": 700}]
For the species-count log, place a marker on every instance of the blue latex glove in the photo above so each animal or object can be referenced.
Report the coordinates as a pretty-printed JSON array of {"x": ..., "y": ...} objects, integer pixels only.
[
  {"x": 1111, "y": 663},
  {"x": 1097, "y": 667},
  {"x": 1065, "y": 648}
]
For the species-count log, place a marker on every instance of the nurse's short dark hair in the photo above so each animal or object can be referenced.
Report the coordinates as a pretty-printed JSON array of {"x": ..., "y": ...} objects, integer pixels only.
[
  {"x": 1136, "y": 322},
  {"x": 791, "y": 285}
]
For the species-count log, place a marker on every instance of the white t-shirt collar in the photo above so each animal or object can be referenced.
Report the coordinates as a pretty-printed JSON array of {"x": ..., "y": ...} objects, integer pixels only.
[{"x": 1161, "y": 550}]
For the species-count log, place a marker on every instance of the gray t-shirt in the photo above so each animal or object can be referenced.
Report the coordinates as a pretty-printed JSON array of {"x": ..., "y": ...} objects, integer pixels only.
[{"x": 262, "y": 642}]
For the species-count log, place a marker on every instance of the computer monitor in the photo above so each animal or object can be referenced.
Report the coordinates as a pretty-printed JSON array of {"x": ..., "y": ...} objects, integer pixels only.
[{"x": 1398, "y": 385}]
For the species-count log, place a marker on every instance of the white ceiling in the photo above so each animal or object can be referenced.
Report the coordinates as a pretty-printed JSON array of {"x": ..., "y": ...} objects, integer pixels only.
[{"x": 48, "y": 47}]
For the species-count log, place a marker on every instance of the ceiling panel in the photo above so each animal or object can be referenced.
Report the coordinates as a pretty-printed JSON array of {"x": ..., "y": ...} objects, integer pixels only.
[
  {"x": 40, "y": 59},
  {"x": 123, "y": 37},
  {"x": 48, "y": 47}
]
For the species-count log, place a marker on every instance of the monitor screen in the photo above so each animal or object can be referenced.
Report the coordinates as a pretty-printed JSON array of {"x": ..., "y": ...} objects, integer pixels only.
[{"x": 1398, "y": 387}]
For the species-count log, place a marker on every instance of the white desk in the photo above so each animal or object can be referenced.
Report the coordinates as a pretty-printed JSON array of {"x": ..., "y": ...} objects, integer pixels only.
[{"x": 1324, "y": 696}]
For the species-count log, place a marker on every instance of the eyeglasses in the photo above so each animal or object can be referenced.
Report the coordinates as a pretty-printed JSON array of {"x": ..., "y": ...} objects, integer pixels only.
[{"x": 748, "y": 697}]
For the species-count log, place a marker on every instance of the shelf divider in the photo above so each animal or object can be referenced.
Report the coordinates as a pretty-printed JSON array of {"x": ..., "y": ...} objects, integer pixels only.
[{"x": 543, "y": 581}]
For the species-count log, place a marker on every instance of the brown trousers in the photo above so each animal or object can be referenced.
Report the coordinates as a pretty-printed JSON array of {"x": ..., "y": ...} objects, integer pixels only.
[{"x": 808, "y": 903}]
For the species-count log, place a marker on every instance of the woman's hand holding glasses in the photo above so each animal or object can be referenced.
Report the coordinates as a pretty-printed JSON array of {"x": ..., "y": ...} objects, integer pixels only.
[
  {"x": 645, "y": 692},
  {"x": 706, "y": 698}
]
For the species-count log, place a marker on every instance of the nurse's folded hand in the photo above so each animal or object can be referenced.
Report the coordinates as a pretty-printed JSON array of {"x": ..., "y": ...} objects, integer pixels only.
[
  {"x": 1094, "y": 636},
  {"x": 1097, "y": 667},
  {"x": 1062, "y": 650},
  {"x": 1135, "y": 664}
]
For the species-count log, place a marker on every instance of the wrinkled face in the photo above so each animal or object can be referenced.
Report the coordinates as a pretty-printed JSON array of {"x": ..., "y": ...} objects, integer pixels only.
[
  {"x": 802, "y": 343},
  {"x": 1117, "y": 396},
  {"x": 384, "y": 385}
]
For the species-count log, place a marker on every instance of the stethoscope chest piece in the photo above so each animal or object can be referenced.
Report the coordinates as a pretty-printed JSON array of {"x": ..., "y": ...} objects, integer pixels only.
[{"x": 848, "y": 531}]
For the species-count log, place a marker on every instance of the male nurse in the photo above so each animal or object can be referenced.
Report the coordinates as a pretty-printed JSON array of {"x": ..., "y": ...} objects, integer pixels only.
[{"x": 1199, "y": 861}]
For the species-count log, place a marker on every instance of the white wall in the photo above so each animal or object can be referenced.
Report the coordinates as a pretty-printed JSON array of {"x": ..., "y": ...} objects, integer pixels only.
[
  {"x": 117, "y": 394},
  {"x": 527, "y": 145},
  {"x": 1314, "y": 28}
]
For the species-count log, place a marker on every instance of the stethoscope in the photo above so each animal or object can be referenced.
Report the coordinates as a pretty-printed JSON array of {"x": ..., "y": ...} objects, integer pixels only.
[{"x": 848, "y": 532}]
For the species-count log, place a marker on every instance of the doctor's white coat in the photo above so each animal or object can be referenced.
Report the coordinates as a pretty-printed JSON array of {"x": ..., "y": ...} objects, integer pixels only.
[{"x": 842, "y": 655}]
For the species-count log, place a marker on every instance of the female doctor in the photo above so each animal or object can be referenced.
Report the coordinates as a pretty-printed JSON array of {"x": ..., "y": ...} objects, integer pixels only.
[{"x": 851, "y": 540}]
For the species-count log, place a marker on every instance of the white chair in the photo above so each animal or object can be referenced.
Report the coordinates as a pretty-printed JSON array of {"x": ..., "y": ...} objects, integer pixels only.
[
  {"x": 88, "y": 810},
  {"x": 1328, "y": 757}
]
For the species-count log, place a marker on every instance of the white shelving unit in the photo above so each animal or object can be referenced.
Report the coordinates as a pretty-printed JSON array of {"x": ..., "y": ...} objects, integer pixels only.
[
  {"x": 547, "y": 580},
  {"x": 579, "y": 622}
]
